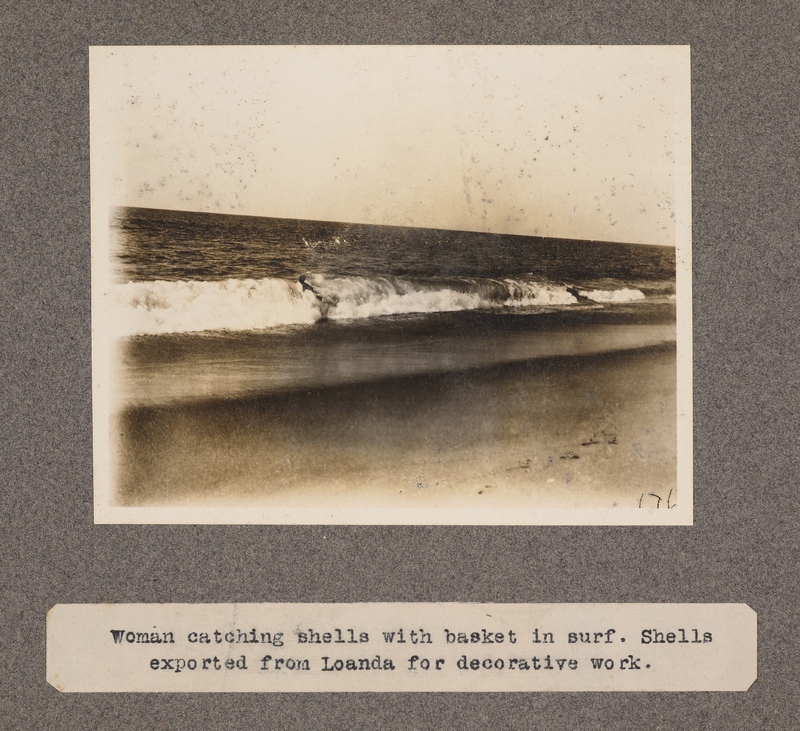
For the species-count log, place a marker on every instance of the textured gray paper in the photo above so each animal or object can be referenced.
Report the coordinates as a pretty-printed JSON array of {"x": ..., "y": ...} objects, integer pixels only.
[{"x": 740, "y": 549}]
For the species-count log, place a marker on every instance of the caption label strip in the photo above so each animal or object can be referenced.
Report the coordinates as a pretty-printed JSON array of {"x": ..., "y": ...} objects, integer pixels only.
[{"x": 400, "y": 647}]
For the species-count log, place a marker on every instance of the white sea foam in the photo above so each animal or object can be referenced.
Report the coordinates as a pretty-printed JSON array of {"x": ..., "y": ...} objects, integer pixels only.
[
  {"x": 154, "y": 307},
  {"x": 361, "y": 297},
  {"x": 233, "y": 304},
  {"x": 614, "y": 295}
]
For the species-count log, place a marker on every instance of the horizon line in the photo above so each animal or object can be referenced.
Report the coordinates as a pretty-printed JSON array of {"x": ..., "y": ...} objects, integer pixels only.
[{"x": 393, "y": 225}]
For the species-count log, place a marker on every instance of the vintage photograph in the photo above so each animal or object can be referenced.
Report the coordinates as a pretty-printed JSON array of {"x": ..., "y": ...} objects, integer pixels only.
[{"x": 392, "y": 285}]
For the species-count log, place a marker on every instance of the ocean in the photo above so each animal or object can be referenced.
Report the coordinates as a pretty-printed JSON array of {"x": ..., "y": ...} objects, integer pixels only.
[
  {"x": 224, "y": 319},
  {"x": 212, "y": 305}
]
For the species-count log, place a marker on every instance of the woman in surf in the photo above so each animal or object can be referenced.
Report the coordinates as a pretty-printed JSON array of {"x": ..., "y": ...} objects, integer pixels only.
[
  {"x": 323, "y": 305},
  {"x": 307, "y": 286},
  {"x": 577, "y": 295}
]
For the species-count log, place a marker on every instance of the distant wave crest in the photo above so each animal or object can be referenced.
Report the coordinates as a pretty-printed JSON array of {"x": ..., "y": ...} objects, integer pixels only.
[
  {"x": 614, "y": 295},
  {"x": 347, "y": 298},
  {"x": 154, "y": 307}
]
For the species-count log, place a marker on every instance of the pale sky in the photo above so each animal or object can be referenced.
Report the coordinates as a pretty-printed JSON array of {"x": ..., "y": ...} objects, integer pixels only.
[{"x": 572, "y": 142}]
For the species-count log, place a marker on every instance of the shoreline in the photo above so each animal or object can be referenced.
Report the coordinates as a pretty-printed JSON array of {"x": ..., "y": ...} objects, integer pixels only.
[
  {"x": 173, "y": 372},
  {"x": 500, "y": 435}
]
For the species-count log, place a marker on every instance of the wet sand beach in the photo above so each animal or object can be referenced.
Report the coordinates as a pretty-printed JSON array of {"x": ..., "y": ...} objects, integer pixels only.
[{"x": 589, "y": 431}]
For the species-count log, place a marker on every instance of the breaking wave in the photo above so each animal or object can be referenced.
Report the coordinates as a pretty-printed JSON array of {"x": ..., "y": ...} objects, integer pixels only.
[
  {"x": 615, "y": 295},
  {"x": 233, "y": 304},
  {"x": 154, "y": 307}
]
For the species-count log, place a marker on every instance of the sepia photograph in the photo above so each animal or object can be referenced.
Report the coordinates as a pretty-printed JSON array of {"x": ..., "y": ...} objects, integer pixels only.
[{"x": 391, "y": 284}]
